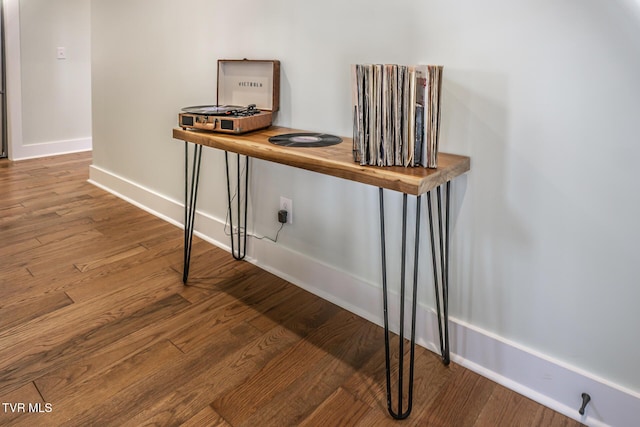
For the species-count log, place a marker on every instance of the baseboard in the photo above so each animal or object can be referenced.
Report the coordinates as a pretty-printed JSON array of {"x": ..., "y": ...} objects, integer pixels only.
[
  {"x": 546, "y": 380},
  {"x": 52, "y": 148},
  {"x": 543, "y": 379}
]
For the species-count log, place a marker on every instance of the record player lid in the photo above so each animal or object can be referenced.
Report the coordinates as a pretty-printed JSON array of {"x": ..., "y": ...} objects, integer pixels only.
[{"x": 245, "y": 82}]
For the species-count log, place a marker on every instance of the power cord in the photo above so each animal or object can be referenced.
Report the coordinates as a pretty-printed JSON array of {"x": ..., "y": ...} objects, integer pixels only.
[
  {"x": 267, "y": 237},
  {"x": 282, "y": 219}
]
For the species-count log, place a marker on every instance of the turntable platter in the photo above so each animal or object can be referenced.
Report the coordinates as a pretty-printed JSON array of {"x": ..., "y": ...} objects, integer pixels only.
[{"x": 213, "y": 110}]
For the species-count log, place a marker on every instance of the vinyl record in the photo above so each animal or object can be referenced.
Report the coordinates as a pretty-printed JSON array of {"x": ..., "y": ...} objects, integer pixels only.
[
  {"x": 212, "y": 110},
  {"x": 305, "y": 140}
]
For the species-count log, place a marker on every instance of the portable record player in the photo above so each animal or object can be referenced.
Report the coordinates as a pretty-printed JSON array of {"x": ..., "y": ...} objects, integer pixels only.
[{"x": 248, "y": 95}]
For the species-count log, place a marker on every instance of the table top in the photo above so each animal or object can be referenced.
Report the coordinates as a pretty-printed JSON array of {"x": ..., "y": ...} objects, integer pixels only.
[{"x": 334, "y": 160}]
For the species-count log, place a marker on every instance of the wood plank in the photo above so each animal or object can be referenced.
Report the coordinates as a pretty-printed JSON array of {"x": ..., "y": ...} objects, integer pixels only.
[
  {"x": 507, "y": 408},
  {"x": 229, "y": 373},
  {"x": 165, "y": 322},
  {"x": 41, "y": 344},
  {"x": 21, "y": 285},
  {"x": 222, "y": 363},
  {"x": 104, "y": 260},
  {"x": 23, "y": 311},
  {"x": 59, "y": 229},
  {"x": 83, "y": 286},
  {"x": 319, "y": 380},
  {"x": 368, "y": 384},
  {"x": 84, "y": 395},
  {"x": 26, "y": 394},
  {"x": 339, "y": 409},
  {"x": 228, "y": 312},
  {"x": 469, "y": 391},
  {"x": 22, "y": 245},
  {"x": 206, "y": 417},
  {"x": 335, "y": 160},
  {"x": 44, "y": 259},
  {"x": 253, "y": 395}
]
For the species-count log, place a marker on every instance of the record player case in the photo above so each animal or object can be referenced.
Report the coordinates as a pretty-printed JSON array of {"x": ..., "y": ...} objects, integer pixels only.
[{"x": 241, "y": 82}]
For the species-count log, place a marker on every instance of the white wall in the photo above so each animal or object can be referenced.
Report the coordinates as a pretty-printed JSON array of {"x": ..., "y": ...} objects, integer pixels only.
[
  {"x": 542, "y": 96},
  {"x": 49, "y": 99}
]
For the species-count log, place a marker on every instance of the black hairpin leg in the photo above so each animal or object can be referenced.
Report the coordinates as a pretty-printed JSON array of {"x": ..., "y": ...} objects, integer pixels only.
[
  {"x": 190, "y": 198},
  {"x": 441, "y": 271},
  {"x": 399, "y": 413},
  {"x": 239, "y": 235}
]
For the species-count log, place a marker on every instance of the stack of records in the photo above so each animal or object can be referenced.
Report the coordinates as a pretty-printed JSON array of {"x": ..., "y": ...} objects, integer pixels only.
[{"x": 396, "y": 114}]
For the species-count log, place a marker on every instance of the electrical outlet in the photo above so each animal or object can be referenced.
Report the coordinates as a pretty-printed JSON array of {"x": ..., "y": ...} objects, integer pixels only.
[
  {"x": 287, "y": 205},
  {"x": 61, "y": 53}
]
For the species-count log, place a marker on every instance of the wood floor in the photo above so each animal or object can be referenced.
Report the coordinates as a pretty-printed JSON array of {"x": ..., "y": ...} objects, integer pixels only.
[{"x": 96, "y": 328}]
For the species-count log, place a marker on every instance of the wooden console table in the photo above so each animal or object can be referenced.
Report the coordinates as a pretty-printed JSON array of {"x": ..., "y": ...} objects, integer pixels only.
[{"x": 337, "y": 160}]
